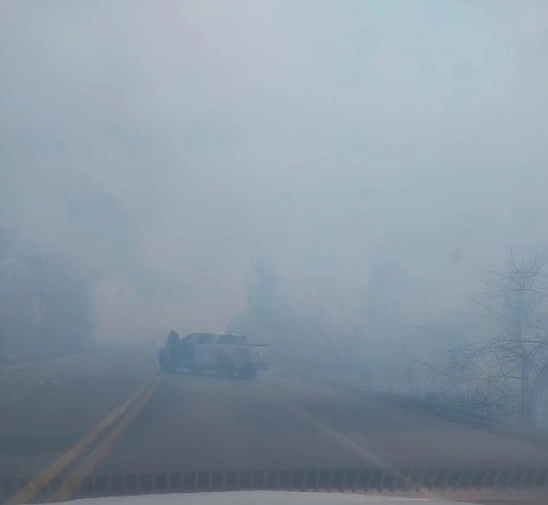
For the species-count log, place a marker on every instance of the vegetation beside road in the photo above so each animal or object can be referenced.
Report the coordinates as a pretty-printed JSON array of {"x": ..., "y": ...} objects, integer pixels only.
[
  {"x": 45, "y": 302},
  {"x": 489, "y": 363}
]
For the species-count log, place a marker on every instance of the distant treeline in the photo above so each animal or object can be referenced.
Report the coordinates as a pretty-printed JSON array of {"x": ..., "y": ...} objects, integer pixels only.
[{"x": 45, "y": 303}]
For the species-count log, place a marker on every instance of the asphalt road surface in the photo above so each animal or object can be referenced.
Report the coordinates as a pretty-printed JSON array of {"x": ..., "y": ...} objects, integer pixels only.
[{"x": 109, "y": 412}]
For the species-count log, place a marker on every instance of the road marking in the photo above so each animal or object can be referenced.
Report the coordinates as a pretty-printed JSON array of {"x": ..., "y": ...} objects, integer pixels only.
[
  {"x": 43, "y": 478},
  {"x": 346, "y": 441},
  {"x": 74, "y": 481},
  {"x": 339, "y": 437}
]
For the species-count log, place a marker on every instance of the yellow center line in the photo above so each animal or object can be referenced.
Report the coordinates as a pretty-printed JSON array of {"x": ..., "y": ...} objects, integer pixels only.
[
  {"x": 43, "y": 478},
  {"x": 74, "y": 481}
]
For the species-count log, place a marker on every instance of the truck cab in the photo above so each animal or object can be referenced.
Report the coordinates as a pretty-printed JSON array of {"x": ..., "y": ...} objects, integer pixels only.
[{"x": 227, "y": 354}]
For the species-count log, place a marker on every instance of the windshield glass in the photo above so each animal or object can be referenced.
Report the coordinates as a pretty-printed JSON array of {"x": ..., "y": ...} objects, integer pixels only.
[{"x": 273, "y": 244}]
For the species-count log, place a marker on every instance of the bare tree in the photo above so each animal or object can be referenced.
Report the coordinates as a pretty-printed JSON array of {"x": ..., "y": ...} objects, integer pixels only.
[{"x": 509, "y": 364}]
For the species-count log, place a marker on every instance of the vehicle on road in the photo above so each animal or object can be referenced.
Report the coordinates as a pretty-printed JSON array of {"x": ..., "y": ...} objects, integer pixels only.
[{"x": 227, "y": 354}]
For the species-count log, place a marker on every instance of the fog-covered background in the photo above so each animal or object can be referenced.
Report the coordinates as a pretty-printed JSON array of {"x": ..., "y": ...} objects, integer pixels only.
[{"x": 375, "y": 157}]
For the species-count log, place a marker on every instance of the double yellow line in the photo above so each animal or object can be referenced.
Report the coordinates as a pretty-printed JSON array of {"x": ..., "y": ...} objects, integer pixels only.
[{"x": 111, "y": 428}]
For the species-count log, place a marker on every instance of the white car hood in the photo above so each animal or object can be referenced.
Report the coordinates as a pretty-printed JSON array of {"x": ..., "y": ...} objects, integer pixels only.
[{"x": 259, "y": 498}]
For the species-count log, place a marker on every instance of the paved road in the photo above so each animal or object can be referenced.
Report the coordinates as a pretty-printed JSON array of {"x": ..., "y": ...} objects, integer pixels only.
[
  {"x": 198, "y": 423},
  {"x": 185, "y": 422},
  {"x": 46, "y": 407}
]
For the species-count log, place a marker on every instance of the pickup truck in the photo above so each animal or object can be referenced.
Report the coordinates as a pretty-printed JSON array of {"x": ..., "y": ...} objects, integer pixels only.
[{"x": 225, "y": 353}]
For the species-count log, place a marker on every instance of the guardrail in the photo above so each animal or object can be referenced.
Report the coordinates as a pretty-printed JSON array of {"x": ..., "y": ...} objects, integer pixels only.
[{"x": 354, "y": 480}]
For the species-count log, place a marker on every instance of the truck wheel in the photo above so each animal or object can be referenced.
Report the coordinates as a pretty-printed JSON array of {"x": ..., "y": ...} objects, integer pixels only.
[
  {"x": 249, "y": 372},
  {"x": 165, "y": 365},
  {"x": 225, "y": 368}
]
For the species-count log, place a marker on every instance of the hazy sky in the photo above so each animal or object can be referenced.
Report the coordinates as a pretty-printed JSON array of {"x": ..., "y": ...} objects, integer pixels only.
[{"x": 325, "y": 136}]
